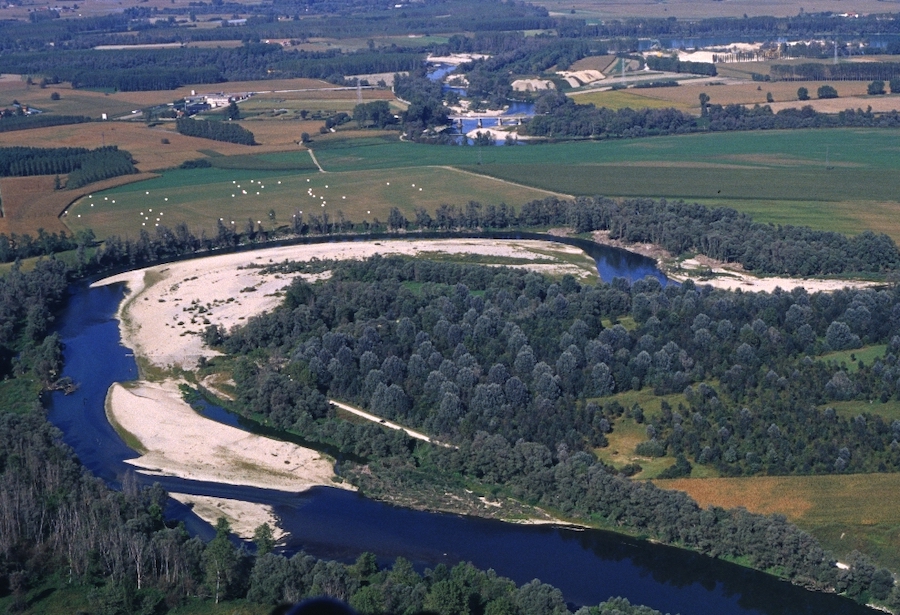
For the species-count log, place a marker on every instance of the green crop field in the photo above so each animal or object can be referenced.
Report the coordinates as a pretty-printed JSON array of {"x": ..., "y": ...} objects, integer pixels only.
[
  {"x": 200, "y": 197},
  {"x": 617, "y": 99},
  {"x": 776, "y": 149},
  {"x": 775, "y": 176}
]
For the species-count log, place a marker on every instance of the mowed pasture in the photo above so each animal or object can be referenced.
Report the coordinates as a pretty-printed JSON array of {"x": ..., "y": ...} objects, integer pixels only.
[
  {"x": 200, "y": 197},
  {"x": 842, "y": 180},
  {"x": 284, "y": 105},
  {"x": 845, "y": 512}
]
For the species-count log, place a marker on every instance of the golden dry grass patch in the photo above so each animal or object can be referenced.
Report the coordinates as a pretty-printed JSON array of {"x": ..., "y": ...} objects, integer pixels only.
[
  {"x": 144, "y": 143},
  {"x": 847, "y": 499},
  {"x": 878, "y": 104},
  {"x": 764, "y": 495},
  {"x": 688, "y": 94},
  {"x": 281, "y": 133},
  {"x": 881, "y": 215},
  {"x": 32, "y": 203}
]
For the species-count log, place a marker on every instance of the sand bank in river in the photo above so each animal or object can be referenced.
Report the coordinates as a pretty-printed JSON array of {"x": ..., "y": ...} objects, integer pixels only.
[
  {"x": 170, "y": 305},
  {"x": 729, "y": 276},
  {"x": 244, "y": 517},
  {"x": 174, "y": 440}
]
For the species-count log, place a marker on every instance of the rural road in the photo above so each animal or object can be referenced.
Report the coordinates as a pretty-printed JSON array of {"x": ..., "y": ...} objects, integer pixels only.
[
  {"x": 386, "y": 423},
  {"x": 316, "y": 161}
]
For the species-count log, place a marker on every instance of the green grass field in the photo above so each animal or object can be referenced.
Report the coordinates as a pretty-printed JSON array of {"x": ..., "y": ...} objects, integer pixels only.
[
  {"x": 775, "y": 176},
  {"x": 200, "y": 197},
  {"x": 618, "y": 99},
  {"x": 866, "y": 354}
]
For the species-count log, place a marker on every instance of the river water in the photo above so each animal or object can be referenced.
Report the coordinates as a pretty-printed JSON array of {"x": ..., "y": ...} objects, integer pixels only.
[
  {"x": 587, "y": 566},
  {"x": 465, "y": 125}
]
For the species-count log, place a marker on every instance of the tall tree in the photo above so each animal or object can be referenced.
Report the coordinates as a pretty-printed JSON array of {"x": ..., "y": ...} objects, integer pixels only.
[{"x": 219, "y": 560}]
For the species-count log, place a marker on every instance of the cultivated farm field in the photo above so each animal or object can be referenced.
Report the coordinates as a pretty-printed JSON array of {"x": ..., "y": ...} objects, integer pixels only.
[
  {"x": 144, "y": 143},
  {"x": 687, "y": 95},
  {"x": 845, "y": 512},
  {"x": 200, "y": 197},
  {"x": 842, "y": 180},
  {"x": 633, "y": 99},
  {"x": 31, "y": 203}
]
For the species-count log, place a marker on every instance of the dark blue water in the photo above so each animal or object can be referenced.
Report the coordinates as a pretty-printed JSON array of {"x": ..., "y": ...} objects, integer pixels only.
[
  {"x": 588, "y": 566},
  {"x": 437, "y": 72}
]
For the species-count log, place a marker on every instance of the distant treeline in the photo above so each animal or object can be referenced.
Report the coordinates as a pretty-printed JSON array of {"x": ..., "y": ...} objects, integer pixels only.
[
  {"x": 83, "y": 165},
  {"x": 560, "y": 117},
  {"x": 845, "y": 71},
  {"x": 674, "y": 65},
  {"x": 217, "y": 131},
  {"x": 10, "y": 121},
  {"x": 166, "y": 69},
  {"x": 338, "y": 19},
  {"x": 796, "y": 27},
  {"x": 267, "y": 21}
]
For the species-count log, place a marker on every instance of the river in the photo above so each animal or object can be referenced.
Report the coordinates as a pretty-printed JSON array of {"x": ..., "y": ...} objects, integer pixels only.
[
  {"x": 587, "y": 566},
  {"x": 464, "y": 125}
]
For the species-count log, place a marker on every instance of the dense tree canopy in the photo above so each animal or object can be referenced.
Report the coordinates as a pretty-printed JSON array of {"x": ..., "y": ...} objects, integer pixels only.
[{"x": 520, "y": 372}]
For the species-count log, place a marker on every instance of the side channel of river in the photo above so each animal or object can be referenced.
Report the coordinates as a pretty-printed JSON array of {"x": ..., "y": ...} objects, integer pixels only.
[{"x": 588, "y": 566}]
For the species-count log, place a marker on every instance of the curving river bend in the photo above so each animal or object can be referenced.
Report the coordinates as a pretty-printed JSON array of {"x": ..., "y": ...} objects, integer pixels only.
[{"x": 588, "y": 566}]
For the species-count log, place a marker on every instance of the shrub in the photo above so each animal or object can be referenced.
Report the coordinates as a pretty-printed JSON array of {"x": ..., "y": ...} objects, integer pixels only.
[
  {"x": 875, "y": 88},
  {"x": 826, "y": 91}
]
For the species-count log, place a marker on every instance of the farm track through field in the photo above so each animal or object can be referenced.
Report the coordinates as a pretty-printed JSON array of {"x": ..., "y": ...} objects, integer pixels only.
[
  {"x": 312, "y": 155},
  {"x": 505, "y": 181}
]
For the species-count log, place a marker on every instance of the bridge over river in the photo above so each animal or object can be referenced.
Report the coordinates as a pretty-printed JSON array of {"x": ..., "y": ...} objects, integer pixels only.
[{"x": 489, "y": 121}]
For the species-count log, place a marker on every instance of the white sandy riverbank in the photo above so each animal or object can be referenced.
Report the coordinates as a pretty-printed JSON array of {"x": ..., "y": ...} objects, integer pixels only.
[
  {"x": 177, "y": 441},
  {"x": 244, "y": 517},
  {"x": 170, "y": 305},
  {"x": 729, "y": 276}
]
